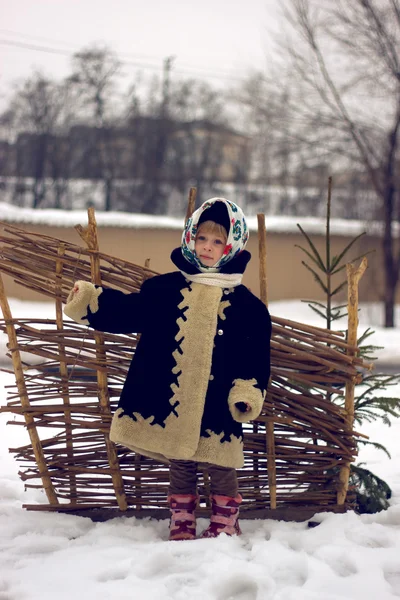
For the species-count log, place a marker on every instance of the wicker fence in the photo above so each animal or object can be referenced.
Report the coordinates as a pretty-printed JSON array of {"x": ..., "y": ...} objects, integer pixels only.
[{"x": 297, "y": 453}]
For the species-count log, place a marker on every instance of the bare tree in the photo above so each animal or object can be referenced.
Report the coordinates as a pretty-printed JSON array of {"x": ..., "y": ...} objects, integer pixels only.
[
  {"x": 201, "y": 138},
  {"x": 94, "y": 75},
  {"x": 262, "y": 114},
  {"x": 7, "y": 134},
  {"x": 345, "y": 66},
  {"x": 180, "y": 137},
  {"x": 38, "y": 110}
]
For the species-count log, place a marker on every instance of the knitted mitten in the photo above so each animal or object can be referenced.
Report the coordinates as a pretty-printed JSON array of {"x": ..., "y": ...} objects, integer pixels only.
[
  {"x": 224, "y": 518},
  {"x": 84, "y": 295},
  {"x": 183, "y": 521}
]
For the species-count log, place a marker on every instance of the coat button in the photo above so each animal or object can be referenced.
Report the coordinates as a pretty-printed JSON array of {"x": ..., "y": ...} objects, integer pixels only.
[
  {"x": 211, "y": 377},
  {"x": 220, "y": 332},
  {"x": 226, "y": 292}
]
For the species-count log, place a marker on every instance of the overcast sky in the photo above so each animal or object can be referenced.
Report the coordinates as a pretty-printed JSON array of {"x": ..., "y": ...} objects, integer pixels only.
[{"x": 219, "y": 38}]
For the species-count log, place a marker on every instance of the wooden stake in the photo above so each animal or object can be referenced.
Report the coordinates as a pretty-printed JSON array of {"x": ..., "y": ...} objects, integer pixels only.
[
  {"x": 89, "y": 235},
  {"x": 191, "y": 203},
  {"x": 23, "y": 396},
  {"x": 64, "y": 371},
  {"x": 262, "y": 258},
  {"x": 353, "y": 278}
]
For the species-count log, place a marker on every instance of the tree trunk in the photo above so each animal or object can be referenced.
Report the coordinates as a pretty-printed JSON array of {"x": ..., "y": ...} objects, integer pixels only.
[
  {"x": 389, "y": 304},
  {"x": 389, "y": 249},
  {"x": 389, "y": 254},
  {"x": 108, "y": 185},
  {"x": 39, "y": 186}
]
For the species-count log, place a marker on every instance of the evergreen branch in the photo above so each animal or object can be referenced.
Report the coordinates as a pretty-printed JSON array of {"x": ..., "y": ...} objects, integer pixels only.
[
  {"x": 316, "y": 276},
  {"x": 338, "y": 316},
  {"x": 336, "y": 259},
  {"x": 372, "y": 409},
  {"x": 337, "y": 311},
  {"x": 311, "y": 257},
  {"x": 374, "y": 384},
  {"x": 376, "y": 445},
  {"x": 372, "y": 493},
  {"x": 340, "y": 306},
  {"x": 370, "y": 348},
  {"x": 367, "y": 354},
  {"x": 377, "y": 381},
  {"x": 317, "y": 311},
  {"x": 309, "y": 302},
  {"x": 317, "y": 255},
  {"x": 340, "y": 287},
  {"x": 367, "y": 333},
  {"x": 352, "y": 261},
  {"x": 392, "y": 405},
  {"x": 386, "y": 380}
]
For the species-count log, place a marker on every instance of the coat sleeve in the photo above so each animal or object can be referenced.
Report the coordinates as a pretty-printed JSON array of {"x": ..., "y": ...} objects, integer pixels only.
[
  {"x": 254, "y": 369},
  {"x": 109, "y": 310}
]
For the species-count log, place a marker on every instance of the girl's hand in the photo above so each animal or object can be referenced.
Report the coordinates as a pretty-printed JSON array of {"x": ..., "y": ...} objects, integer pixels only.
[
  {"x": 243, "y": 407},
  {"x": 74, "y": 293}
]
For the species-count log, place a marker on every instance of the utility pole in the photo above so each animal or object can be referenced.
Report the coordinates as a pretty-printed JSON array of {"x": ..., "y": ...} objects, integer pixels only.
[
  {"x": 161, "y": 140},
  {"x": 167, "y": 67}
]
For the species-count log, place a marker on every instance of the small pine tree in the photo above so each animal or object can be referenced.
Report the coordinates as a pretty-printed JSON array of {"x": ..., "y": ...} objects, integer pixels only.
[{"x": 372, "y": 493}]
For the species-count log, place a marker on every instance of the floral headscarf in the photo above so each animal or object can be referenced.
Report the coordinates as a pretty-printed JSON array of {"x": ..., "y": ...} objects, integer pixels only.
[{"x": 238, "y": 235}]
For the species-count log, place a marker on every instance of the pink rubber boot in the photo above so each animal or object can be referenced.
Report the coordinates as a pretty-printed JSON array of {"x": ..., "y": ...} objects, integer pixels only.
[
  {"x": 224, "y": 518},
  {"x": 183, "y": 521}
]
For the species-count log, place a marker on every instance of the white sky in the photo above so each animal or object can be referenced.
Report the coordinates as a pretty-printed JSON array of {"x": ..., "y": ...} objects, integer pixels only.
[{"x": 221, "y": 38}]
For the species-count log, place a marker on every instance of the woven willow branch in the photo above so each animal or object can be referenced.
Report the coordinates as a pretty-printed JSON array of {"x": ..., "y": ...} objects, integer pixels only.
[{"x": 304, "y": 439}]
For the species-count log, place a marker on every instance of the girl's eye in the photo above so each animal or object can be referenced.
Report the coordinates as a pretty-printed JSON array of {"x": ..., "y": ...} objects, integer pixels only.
[
  {"x": 200, "y": 238},
  {"x": 218, "y": 241}
]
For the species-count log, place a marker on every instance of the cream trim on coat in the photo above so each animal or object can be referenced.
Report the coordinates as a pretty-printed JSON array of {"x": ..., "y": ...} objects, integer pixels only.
[
  {"x": 126, "y": 432},
  {"x": 78, "y": 302},
  {"x": 226, "y": 454},
  {"x": 243, "y": 390},
  {"x": 181, "y": 435}
]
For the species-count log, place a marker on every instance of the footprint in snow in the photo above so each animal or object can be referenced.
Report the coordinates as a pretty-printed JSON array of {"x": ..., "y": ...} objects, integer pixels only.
[
  {"x": 238, "y": 588},
  {"x": 342, "y": 566},
  {"x": 373, "y": 537},
  {"x": 393, "y": 579}
]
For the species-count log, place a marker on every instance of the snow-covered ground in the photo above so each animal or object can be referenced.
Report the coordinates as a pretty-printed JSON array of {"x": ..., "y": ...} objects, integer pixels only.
[{"x": 47, "y": 556}]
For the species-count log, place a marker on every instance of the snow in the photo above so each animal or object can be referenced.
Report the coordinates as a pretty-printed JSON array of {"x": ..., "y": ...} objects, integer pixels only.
[
  {"x": 348, "y": 556},
  {"x": 280, "y": 224}
]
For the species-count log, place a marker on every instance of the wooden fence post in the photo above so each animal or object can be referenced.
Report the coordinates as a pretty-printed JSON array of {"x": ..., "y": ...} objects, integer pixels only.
[
  {"x": 353, "y": 277},
  {"x": 191, "y": 203},
  {"x": 64, "y": 372},
  {"x": 89, "y": 235},
  {"x": 262, "y": 257},
  {"x": 24, "y": 398}
]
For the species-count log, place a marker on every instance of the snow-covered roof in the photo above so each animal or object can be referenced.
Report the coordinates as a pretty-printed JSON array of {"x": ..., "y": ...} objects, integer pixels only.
[{"x": 279, "y": 224}]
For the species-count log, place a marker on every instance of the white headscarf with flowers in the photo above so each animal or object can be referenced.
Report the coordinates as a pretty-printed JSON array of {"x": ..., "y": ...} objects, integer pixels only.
[{"x": 237, "y": 235}]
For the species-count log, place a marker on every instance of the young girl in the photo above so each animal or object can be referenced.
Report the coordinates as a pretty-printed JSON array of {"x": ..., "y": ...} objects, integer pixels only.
[{"x": 201, "y": 367}]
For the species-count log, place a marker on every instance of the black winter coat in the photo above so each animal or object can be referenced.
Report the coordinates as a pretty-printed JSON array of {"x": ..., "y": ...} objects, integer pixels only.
[{"x": 203, "y": 351}]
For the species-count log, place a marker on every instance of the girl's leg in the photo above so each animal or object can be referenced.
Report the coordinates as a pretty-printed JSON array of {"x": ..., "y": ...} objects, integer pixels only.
[
  {"x": 182, "y": 499},
  {"x": 182, "y": 477},
  {"x": 223, "y": 481},
  {"x": 225, "y": 502}
]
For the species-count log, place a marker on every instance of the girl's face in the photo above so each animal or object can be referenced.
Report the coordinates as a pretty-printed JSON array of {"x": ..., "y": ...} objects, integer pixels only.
[{"x": 209, "y": 247}]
